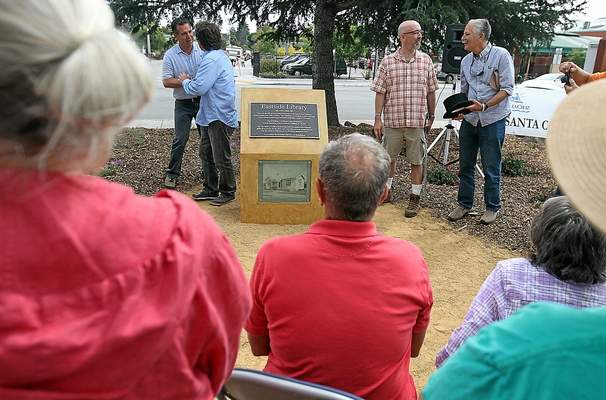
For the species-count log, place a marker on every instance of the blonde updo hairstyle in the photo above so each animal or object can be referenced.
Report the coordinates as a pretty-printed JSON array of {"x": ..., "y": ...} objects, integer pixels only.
[{"x": 69, "y": 80}]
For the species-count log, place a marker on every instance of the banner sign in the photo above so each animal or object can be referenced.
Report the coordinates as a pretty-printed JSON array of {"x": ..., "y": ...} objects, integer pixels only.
[{"x": 531, "y": 110}]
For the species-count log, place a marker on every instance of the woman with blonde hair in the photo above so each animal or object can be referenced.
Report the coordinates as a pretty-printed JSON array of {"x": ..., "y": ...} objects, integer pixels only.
[{"x": 103, "y": 294}]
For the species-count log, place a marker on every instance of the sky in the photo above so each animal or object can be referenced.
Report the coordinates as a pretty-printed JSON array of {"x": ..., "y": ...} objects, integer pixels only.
[{"x": 594, "y": 10}]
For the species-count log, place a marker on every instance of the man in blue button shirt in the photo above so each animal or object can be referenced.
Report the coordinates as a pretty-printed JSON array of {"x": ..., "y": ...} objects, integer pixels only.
[
  {"x": 183, "y": 57},
  {"x": 215, "y": 84},
  {"x": 487, "y": 77}
]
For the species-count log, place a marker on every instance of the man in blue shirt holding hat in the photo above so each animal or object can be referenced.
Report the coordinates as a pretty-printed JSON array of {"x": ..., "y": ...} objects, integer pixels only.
[{"x": 487, "y": 77}]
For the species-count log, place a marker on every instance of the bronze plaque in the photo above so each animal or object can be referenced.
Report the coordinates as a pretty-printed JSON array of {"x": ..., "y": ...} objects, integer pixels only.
[{"x": 284, "y": 120}]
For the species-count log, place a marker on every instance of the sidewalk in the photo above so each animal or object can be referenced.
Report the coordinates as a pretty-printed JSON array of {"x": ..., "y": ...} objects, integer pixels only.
[{"x": 356, "y": 102}]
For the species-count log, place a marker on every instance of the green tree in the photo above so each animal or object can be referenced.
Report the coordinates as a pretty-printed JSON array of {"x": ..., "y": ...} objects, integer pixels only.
[
  {"x": 577, "y": 56},
  {"x": 263, "y": 40},
  {"x": 304, "y": 44},
  {"x": 350, "y": 46},
  {"x": 161, "y": 40},
  {"x": 516, "y": 24},
  {"x": 239, "y": 37}
]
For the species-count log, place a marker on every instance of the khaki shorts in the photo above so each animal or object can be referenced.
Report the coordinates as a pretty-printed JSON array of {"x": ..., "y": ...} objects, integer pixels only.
[{"x": 393, "y": 140}]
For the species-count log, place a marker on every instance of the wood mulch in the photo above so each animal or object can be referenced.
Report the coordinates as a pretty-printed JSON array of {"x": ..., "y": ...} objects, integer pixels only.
[{"x": 140, "y": 157}]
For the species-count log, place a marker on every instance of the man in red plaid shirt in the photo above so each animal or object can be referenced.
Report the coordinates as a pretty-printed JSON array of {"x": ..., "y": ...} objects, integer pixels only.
[{"x": 405, "y": 96}]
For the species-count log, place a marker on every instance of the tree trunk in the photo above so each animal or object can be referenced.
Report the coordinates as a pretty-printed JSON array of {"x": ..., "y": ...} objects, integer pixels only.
[{"x": 323, "y": 62}]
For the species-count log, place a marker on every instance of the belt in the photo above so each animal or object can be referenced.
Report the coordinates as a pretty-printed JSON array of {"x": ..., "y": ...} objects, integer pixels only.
[{"x": 194, "y": 100}]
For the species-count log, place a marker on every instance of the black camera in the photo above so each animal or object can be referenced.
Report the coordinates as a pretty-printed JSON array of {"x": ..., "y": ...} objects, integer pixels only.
[{"x": 565, "y": 79}]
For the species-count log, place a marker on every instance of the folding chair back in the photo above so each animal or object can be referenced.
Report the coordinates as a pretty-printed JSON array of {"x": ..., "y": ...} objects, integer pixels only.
[{"x": 246, "y": 384}]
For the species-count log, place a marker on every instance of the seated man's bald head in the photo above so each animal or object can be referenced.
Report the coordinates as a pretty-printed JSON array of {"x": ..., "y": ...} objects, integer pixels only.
[{"x": 354, "y": 172}]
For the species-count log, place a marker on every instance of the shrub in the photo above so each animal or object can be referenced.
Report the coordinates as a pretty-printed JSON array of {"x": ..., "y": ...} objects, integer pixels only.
[
  {"x": 513, "y": 166},
  {"x": 441, "y": 176},
  {"x": 271, "y": 75},
  {"x": 269, "y": 65},
  {"x": 108, "y": 171}
]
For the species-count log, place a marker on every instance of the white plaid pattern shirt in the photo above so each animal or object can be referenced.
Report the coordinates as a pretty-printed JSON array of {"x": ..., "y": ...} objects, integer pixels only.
[{"x": 406, "y": 86}]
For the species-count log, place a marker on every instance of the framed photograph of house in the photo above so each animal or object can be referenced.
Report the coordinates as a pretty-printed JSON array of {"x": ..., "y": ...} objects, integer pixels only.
[{"x": 284, "y": 181}]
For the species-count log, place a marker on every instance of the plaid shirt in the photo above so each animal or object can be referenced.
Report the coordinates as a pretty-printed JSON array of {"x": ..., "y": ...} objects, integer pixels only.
[
  {"x": 513, "y": 284},
  {"x": 406, "y": 86}
]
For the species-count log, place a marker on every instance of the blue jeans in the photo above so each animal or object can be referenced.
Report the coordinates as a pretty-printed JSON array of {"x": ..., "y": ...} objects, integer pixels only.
[
  {"x": 215, "y": 152},
  {"x": 185, "y": 111},
  {"x": 489, "y": 140}
]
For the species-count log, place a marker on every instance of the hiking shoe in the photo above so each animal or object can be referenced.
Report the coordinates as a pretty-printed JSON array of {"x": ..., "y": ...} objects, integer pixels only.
[
  {"x": 414, "y": 206},
  {"x": 205, "y": 195},
  {"x": 458, "y": 213},
  {"x": 388, "y": 198},
  {"x": 221, "y": 200},
  {"x": 170, "y": 182},
  {"x": 489, "y": 217}
]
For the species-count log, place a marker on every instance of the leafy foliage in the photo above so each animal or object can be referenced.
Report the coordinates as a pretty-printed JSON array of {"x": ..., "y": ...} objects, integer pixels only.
[
  {"x": 160, "y": 39},
  {"x": 264, "y": 41},
  {"x": 269, "y": 65},
  {"x": 350, "y": 45},
  {"x": 512, "y": 166},
  {"x": 516, "y": 24},
  {"x": 577, "y": 56},
  {"x": 441, "y": 176},
  {"x": 240, "y": 36}
]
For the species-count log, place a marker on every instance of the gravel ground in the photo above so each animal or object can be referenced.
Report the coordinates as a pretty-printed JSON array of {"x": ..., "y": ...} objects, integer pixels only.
[{"x": 140, "y": 158}]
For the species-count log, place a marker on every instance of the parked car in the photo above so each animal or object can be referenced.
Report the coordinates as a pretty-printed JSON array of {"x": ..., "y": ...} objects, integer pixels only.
[
  {"x": 298, "y": 67},
  {"x": 234, "y": 53},
  {"x": 303, "y": 67},
  {"x": 291, "y": 59},
  {"x": 547, "y": 81},
  {"x": 443, "y": 76}
]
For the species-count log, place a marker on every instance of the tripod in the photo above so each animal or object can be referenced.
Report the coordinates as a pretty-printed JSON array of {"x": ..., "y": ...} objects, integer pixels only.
[{"x": 444, "y": 138}]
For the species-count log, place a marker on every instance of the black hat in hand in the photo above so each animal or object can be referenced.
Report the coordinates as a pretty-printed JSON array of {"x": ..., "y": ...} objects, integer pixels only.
[{"x": 456, "y": 104}]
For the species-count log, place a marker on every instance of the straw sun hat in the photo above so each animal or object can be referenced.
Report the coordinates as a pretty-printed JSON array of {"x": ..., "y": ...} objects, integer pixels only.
[{"x": 576, "y": 146}]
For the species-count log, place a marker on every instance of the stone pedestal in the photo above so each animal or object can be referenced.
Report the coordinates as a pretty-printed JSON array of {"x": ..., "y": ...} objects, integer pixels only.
[{"x": 283, "y": 133}]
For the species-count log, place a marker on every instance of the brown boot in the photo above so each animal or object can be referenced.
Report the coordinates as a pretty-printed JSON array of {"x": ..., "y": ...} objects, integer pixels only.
[{"x": 413, "y": 207}]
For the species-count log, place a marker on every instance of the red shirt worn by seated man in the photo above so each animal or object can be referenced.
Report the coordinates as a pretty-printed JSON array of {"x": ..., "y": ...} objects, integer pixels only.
[
  {"x": 340, "y": 303},
  {"x": 108, "y": 295}
]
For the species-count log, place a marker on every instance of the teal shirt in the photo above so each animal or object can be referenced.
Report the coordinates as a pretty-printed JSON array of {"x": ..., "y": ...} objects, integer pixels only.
[{"x": 543, "y": 352}]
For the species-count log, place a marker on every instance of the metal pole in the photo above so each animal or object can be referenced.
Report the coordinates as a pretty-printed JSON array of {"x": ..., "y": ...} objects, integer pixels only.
[
  {"x": 374, "y": 64},
  {"x": 446, "y": 147}
]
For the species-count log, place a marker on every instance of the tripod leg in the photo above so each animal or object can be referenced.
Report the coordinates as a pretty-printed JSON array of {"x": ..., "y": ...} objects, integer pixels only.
[
  {"x": 477, "y": 165},
  {"x": 446, "y": 147},
  {"x": 436, "y": 140},
  {"x": 425, "y": 153}
]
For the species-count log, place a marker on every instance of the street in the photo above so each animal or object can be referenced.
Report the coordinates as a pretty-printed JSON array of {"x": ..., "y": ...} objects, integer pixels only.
[{"x": 355, "y": 101}]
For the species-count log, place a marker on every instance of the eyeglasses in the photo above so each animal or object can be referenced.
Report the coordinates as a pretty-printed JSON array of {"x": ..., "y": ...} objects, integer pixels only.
[
  {"x": 473, "y": 60},
  {"x": 418, "y": 32},
  {"x": 477, "y": 73}
]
